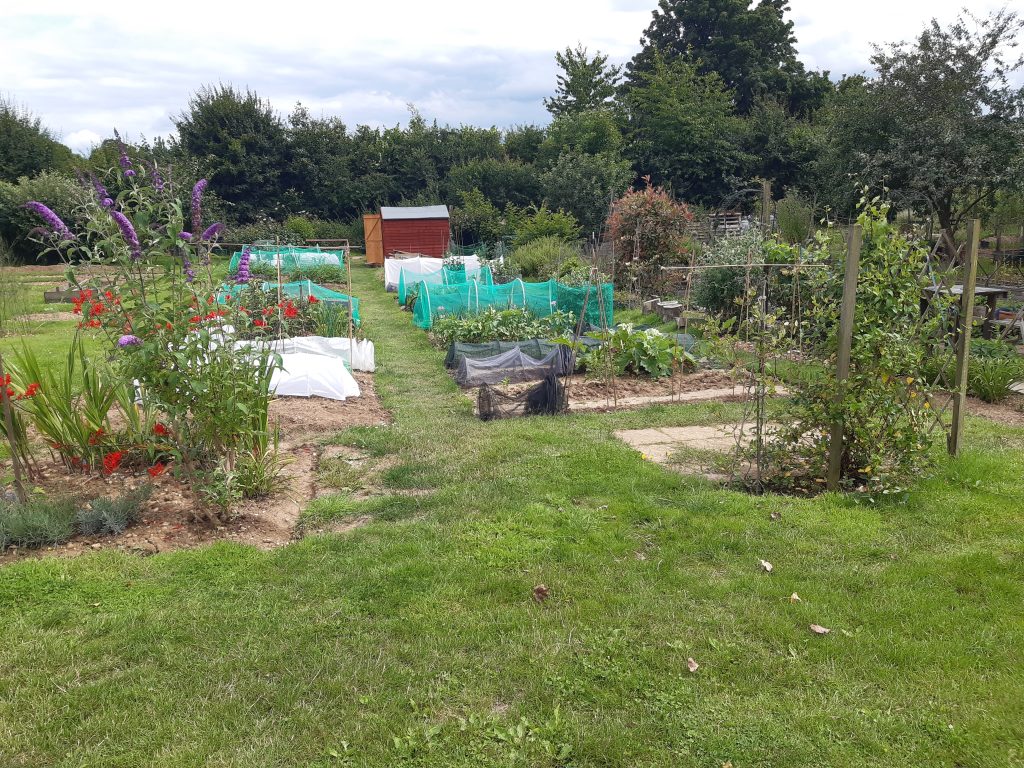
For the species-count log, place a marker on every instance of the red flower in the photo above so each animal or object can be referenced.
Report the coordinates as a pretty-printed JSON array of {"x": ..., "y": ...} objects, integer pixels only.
[
  {"x": 291, "y": 311},
  {"x": 195, "y": 319},
  {"x": 259, "y": 323},
  {"x": 97, "y": 309},
  {"x": 159, "y": 429},
  {"x": 94, "y": 438},
  {"x": 93, "y": 324},
  {"x": 210, "y": 299},
  {"x": 157, "y": 469},
  {"x": 313, "y": 299},
  {"x": 112, "y": 461},
  {"x": 169, "y": 327}
]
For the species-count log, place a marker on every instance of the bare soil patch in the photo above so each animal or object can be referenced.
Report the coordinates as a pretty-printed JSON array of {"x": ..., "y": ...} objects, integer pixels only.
[
  {"x": 1009, "y": 412},
  {"x": 174, "y": 518}
]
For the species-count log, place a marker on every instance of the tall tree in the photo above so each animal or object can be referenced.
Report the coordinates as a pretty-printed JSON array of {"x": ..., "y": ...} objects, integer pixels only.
[
  {"x": 240, "y": 145},
  {"x": 682, "y": 131},
  {"x": 585, "y": 83},
  {"x": 750, "y": 46},
  {"x": 941, "y": 122},
  {"x": 27, "y": 147}
]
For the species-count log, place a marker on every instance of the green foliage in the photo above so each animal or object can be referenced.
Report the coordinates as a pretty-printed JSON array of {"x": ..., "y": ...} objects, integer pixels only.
[
  {"x": 544, "y": 258},
  {"x": 584, "y": 83},
  {"x": 301, "y": 227},
  {"x": 543, "y": 222},
  {"x": 584, "y": 185},
  {"x": 886, "y": 127},
  {"x": 627, "y": 349},
  {"x": 27, "y": 148},
  {"x": 992, "y": 378},
  {"x": 502, "y": 182},
  {"x": 111, "y": 516},
  {"x": 477, "y": 219},
  {"x": 885, "y": 405},
  {"x": 500, "y": 325},
  {"x": 682, "y": 130},
  {"x": 592, "y": 132},
  {"x": 37, "y": 523},
  {"x": 57, "y": 191},
  {"x": 239, "y": 142},
  {"x": 794, "y": 219},
  {"x": 749, "y": 46}
]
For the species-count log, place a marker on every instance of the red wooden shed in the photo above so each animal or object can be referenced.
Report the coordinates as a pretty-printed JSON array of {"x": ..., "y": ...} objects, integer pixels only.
[{"x": 424, "y": 230}]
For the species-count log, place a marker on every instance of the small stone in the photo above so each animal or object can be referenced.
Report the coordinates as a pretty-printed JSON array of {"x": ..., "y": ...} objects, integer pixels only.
[{"x": 96, "y": 545}]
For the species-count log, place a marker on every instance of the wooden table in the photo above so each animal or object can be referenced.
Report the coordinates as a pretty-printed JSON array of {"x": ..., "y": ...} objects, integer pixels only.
[{"x": 991, "y": 295}]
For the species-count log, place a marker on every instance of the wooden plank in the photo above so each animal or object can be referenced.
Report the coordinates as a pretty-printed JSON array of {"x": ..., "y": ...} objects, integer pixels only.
[
  {"x": 846, "y": 317},
  {"x": 373, "y": 239},
  {"x": 963, "y": 343}
]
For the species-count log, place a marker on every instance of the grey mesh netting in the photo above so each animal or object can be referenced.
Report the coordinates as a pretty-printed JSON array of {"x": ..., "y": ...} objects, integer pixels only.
[
  {"x": 513, "y": 367},
  {"x": 548, "y": 398}
]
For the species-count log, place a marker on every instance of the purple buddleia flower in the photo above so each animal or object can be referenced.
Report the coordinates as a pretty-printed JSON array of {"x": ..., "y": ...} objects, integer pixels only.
[
  {"x": 212, "y": 231},
  {"x": 124, "y": 160},
  {"x": 52, "y": 220},
  {"x": 129, "y": 340},
  {"x": 128, "y": 233},
  {"x": 157, "y": 179},
  {"x": 186, "y": 236},
  {"x": 197, "y": 204},
  {"x": 243, "y": 276},
  {"x": 190, "y": 274},
  {"x": 101, "y": 192}
]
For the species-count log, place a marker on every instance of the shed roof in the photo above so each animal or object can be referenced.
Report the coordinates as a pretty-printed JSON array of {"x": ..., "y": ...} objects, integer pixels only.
[{"x": 416, "y": 212}]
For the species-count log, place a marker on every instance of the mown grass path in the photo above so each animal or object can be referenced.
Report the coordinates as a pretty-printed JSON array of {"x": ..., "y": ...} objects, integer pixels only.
[{"x": 415, "y": 640}]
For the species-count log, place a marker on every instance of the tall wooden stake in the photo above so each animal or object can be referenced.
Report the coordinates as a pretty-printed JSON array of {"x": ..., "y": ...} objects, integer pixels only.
[
  {"x": 347, "y": 255},
  {"x": 846, "y": 317},
  {"x": 766, "y": 206},
  {"x": 963, "y": 342}
]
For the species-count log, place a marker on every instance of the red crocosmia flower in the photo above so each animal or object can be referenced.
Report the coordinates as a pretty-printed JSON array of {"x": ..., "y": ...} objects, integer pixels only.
[
  {"x": 169, "y": 327},
  {"x": 268, "y": 311},
  {"x": 159, "y": 429},
  {"x": 112, "y": 461},
  {"x": 157, "y": 469},
  {"x": 195, "y": 319},
  {"x": 94, "y": 324},
  {"x": 227, "y": 298},
  {"x": 97, "y": 309},
  {"x": 109, "y": 296},
  {"x": 210, "y": 299},
  {"x": 94, "y": 438},
  {"x": 259, "y": 323},
  {"x": 313, "y": 299},
  {"x": 290, "y": 311}
]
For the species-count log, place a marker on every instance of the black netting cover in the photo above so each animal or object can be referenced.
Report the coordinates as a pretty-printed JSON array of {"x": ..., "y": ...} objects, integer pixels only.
[
  {"x": 535, "y": 348},
  {"x": 513, "y": 367},
  {"x": 546, "y": 399}
]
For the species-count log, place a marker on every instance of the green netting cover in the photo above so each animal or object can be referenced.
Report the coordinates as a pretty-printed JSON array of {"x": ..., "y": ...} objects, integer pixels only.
[
  {"x": 292, "y": 257},
  {"x": 541, "y": 299},
  {"x": 407, "y": 282},
  {"x": 300, "y": 289}
]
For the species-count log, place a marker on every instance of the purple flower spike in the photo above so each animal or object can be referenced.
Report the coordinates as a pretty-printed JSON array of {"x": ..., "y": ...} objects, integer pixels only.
[
  {"x": 190, "y": 274},
  {"x": 129, "y": 173},
  {"x": 243, "y": 276},
  {"x": 158, "y": 180},
  {"x": 212, "y": 231},
  {"x": 186, "y": 236},
  {"x": 107, "y": 202},
  {"x": 128, "y": 233},
  {"x": 52, "y": 220},
  {"x": 129, "y": 340},
  {"x": 197, "y": 204},
  {"x": 101, "y": 192},
  {"x": 126, "y": 163}
]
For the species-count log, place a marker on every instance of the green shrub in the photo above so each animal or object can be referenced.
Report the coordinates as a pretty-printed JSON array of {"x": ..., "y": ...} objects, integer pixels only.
[
  {"x": 543, "y": 223},
  {"x": 991, "y": 378},
  {"x": 794, "y": 219},
  {"x": 110, "y": 517},
  {"x": 544, "y": 258},
  {"x": 301, "y": 227},
  {"x": 60, "y": 193},
  {"x": 643, "y": 352},
  {"x": 500, "y": 325},
  {"x": 36, "y": 523}
]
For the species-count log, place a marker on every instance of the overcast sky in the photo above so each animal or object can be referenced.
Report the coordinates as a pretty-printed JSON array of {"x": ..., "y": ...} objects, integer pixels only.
[{"x": 87, "y": 67}]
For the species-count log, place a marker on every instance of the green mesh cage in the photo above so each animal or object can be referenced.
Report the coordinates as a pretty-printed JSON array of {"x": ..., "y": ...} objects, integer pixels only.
[
  {"x": 541, "y": 299},
  {"x": 292, "y": 257},
  {"x": 300, "y": 289},
  {"x": 407, "y": 283}
]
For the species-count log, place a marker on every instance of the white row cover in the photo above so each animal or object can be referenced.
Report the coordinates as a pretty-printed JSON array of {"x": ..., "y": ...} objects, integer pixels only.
[
  {"x": 360, "y": 356},
  {"x": 418, "y": 266},
  {"x": 304, "y": 374},
  {"x": 302, "y": 259}
]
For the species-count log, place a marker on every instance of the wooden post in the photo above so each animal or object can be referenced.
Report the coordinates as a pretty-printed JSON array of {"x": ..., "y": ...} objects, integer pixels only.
[
  {"x": 846, "y": 317},
  {"x": 347, "y": 256},
  {"x": 766, "y": 205},
  {"x": 963, "y": 342}
]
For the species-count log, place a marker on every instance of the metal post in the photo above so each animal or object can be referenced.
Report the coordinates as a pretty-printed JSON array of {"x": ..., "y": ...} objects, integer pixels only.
[
  {"x": 846, "y": 317},
  {"x": 963, "y": 343}
]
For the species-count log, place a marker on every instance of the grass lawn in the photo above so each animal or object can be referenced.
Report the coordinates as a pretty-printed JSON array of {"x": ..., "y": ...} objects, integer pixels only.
[{"x": 415, "y": 640}]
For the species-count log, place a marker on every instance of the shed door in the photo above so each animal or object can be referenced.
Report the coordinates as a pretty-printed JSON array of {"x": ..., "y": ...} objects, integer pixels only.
[{"x": 374, "y": 239}]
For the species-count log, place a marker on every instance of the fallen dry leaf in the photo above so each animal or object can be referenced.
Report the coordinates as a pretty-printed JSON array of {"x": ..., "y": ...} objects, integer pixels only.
[
  {"x": 795, "y": 598},
  {"x": 540, "y": 593},
  {"x": 775, "y": 516},
  {"x": 727, "y": 764},
  {"x": 766, "y": 566},
  {"x": 819, "y": 630},
  {"x": 692, "y": 665}
]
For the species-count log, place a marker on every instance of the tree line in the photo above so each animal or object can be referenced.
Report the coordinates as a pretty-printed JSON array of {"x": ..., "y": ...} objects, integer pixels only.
[{"x": 715, "y": 95}]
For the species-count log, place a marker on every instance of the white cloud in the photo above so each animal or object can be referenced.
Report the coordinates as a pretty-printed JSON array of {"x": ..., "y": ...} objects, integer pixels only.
[{"x": 87, "y": 67}]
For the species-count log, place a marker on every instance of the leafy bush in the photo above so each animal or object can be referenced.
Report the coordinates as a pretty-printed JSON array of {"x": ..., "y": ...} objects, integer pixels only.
[
  {"x": 301, "y": 227},
  {"x": 500, "y": 325},
  {"x": 643, "y": 352},
  {"x": 110, "y": 517},
  {"x": 649, "y": 225},
  {"x": 794, "y": 219},
  {"x": 992, "y": 378},
  {"x": 544, "y": 258},
  {"x": 36, "y": 523},
  {"x": 58, "y": 192},
  {"x": 543, "y": 222}
]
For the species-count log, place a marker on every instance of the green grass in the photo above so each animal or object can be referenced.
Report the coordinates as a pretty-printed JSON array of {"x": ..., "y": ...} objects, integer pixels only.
[{"x": 414, "y": 640}]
